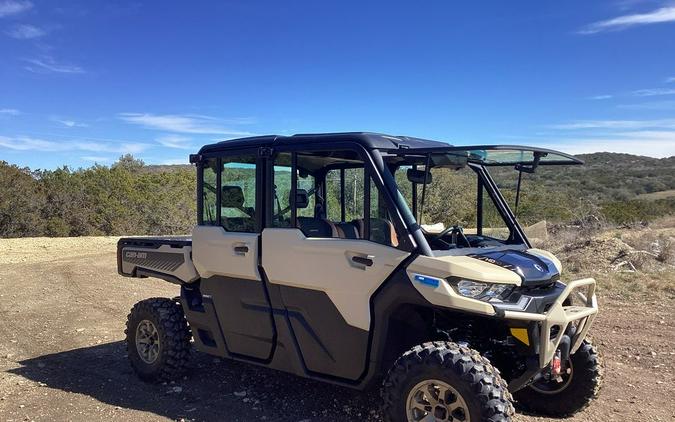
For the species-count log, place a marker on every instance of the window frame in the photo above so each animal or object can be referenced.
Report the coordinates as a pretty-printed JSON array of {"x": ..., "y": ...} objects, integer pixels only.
[
  {"x": 370, "y": 173},
  {"x": 485, "y": 184},
  {"x": 259, "y": 186}
]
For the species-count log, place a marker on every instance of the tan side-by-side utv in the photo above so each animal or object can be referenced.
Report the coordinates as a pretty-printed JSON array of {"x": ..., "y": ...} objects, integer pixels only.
[{"x": 310, "y": 257}]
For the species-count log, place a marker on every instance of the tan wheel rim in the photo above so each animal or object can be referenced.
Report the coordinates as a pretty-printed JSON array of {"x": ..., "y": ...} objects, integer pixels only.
[
  {"x": 147, "y": 341},
  {"x": 434, "y": 400}
]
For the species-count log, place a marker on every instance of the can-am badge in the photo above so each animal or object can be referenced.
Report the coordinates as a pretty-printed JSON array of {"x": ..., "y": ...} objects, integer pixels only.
[{"x": 539, "y": 267}]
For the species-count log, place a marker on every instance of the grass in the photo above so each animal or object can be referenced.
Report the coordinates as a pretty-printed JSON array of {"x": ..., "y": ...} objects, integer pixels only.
[{"x": 663, "y": 194}]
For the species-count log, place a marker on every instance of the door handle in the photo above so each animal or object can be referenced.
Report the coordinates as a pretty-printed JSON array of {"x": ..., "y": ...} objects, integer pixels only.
[
  {"x": 241, "y": 249},
  {"x": 362, "y": 260}
]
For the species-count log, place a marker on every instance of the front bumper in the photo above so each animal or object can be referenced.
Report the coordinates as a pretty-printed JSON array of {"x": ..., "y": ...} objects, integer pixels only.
[{"x": 553, "y": 324}]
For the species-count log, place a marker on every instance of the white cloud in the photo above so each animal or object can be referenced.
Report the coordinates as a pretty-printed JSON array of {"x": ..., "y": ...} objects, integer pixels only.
[
  {"x": 653, "y": 92},
  {"x": 25, "y": 143},
  {"x": 10, "y": 111},
  {"x": 615, "y": 124},
  {"x": 655, "y": 135},
  {"x": 664, "y": 14},
  {"x": 96, "y": 159},
  {"x": 13, "y": 7},
  {"x": 654, "y": 138},
  {"x": 179, "y": 123},
  {"x": 637, "y": 145},
  {"x": 175, "y": 141},
  {"x": 651, "y": 143},
  {"x": 600, "y": 97},
  {"x": 670, "y": 80},
  {"x": 25, "y": 32},
  {"x": 49, "y": 65},
  {"x": 69, "y": 123},
  {"x": 650, "y": 105}
]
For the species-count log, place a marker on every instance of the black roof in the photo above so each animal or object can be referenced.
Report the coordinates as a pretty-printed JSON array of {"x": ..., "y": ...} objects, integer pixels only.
[
  {"x": 368, "y": 140},
  {"x": 491, "y": 155}
]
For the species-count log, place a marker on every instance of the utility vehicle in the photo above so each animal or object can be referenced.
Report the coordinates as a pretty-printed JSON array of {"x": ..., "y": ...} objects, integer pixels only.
[{"x": 309, "y": 257}]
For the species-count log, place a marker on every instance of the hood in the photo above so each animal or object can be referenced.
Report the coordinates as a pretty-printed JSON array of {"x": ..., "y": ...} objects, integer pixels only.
[{"x": 532, "y": 269}]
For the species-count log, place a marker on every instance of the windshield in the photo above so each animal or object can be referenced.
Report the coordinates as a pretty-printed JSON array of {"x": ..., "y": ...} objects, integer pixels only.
[
  {"x": 505, "y": 156},
  {"x": 456, "y": 208}
]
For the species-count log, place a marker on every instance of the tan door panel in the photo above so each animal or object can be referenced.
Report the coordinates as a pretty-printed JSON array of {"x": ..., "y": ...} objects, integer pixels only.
[
  {"x": 328, "y": 265},
  {"x": 219, "y": 252}
]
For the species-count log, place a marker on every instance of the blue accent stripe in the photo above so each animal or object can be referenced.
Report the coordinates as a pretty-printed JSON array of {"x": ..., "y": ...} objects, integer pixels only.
[{"x": 429, "y": 281}]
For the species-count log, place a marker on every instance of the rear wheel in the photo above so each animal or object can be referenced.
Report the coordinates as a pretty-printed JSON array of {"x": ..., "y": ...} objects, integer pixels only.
[
  {"x": 158, "y": 339},
  {"x": 442, "y": 381},
  {"x": 573, "y": 392}
]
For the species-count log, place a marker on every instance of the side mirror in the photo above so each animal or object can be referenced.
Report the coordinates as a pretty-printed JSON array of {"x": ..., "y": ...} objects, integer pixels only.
[{"x": 417, "y": 176}]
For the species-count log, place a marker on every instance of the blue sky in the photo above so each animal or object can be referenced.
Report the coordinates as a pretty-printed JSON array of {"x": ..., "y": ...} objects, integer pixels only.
[{"x": 86, "y": 81}]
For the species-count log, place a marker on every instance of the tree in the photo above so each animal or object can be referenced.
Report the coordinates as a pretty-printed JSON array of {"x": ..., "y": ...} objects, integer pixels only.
[
  {"x": 21, "y": 199},
  {"x": 128, "y": 162}
]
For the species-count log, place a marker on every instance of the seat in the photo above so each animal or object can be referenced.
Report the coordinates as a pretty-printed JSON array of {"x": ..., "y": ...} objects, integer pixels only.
[
  {"x": 347, "y": 230},
  {"x": 381, "y": 231},
  {"x": 232, "y": 197},
  {"x": 312, "y": 226},
  {"x": 317, "y": 227}
]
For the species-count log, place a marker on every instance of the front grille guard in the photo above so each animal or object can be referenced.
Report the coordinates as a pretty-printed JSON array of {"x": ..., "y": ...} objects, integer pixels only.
[{"x": 561, "y": 316}]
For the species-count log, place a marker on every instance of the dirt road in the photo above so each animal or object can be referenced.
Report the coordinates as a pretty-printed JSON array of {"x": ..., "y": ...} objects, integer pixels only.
[{"x": 63, "y": 309}]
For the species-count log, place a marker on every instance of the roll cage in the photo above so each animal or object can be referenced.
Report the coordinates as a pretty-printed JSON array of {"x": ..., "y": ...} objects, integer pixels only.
[{"x": 382, "y": 155}]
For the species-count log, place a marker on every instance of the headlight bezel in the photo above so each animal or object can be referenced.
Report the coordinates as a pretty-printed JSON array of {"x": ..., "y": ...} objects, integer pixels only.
[{"x": 480, "y": 290}]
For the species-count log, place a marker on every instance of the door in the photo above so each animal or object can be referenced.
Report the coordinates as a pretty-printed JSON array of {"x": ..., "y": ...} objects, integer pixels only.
[
  {"x": 327, "y": 248},
  {"x": 226, "y": 254}
]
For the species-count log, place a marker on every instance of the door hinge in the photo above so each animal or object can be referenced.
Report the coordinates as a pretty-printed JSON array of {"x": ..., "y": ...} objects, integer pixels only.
[
  {"x": 196, "y": 158},
  {"x": 265, "y": 152}
]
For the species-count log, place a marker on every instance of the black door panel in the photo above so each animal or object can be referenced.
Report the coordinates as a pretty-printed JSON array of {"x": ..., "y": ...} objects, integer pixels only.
[
  {"x": 244, "y": 315},
  {"x": 328, "y": 344}
]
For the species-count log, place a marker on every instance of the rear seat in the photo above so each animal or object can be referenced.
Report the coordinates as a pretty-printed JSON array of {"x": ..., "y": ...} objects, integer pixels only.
[
  {"x": 381, "y": 231},
  {"x": 317, "y": 227},
  {"x": 347, "y": 231}
]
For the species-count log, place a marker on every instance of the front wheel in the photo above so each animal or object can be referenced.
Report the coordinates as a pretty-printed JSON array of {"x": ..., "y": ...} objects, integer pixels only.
[
  {"x": 573, "y": 392},
  {"x": 442, "y": 381},
  {"x": 158, "y": 339}
]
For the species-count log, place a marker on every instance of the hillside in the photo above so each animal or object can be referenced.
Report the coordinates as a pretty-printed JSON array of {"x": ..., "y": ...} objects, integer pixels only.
[
  {"x": 605, "y": 176},
  {"x": 611, "y": 176},
  {"x": 131, "y": 197}
]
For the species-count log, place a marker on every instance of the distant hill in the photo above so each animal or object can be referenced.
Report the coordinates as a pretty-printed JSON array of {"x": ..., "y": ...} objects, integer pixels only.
[{"x": 605, "y": 176}]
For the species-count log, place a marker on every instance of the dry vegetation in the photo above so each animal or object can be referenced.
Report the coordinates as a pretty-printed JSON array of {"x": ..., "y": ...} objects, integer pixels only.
[{"x": 627, "y": 261}]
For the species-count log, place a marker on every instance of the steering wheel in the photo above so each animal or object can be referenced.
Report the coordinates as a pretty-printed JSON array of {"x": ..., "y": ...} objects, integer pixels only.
[{"x": 454, "y": 230}]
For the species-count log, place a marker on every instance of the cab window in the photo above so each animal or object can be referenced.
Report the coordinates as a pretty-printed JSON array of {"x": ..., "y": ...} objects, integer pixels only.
[
  {"x": 228, "y": 192},
  {"x": 238, "y": 188},
  {"x": 334, "y": 197}
]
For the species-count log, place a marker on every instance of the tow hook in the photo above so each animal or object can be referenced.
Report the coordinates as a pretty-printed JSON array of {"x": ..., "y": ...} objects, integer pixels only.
[
  {"x": 556, "y": 366},
  {"x": 561, "y": 355}
]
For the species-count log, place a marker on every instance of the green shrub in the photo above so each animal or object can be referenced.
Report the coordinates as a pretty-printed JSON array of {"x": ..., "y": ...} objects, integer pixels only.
[{"x": 636, "y": 211}]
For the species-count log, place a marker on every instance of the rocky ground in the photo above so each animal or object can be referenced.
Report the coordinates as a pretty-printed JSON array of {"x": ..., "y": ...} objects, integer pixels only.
[{"x": 63, "y": 309}]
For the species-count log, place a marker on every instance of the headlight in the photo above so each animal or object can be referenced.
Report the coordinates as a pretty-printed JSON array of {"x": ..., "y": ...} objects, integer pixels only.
[{"x": 481, "y": 291}]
